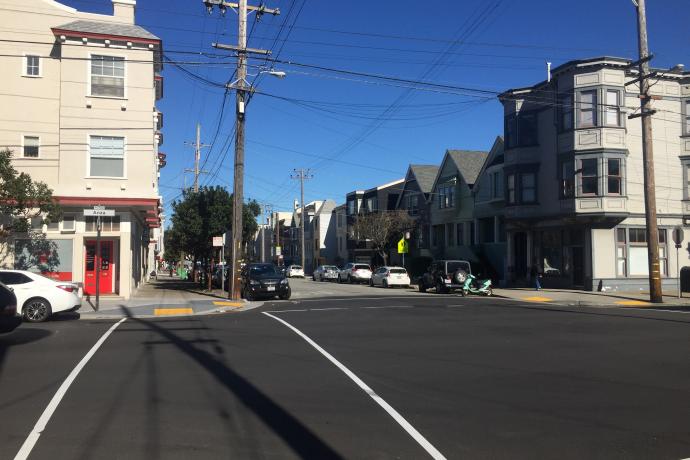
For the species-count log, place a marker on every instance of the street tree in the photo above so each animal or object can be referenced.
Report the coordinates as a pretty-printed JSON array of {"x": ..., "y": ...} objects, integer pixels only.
[
  {"x": 382, "y": 229},
  {"x": 25, "y": 205},
  {"x": 199, "y": 216}
]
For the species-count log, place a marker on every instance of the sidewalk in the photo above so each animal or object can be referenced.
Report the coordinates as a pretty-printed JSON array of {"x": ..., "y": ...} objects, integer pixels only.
[
  {"x": 588, "y": 298},
  {"x": 166, "y": 296}
]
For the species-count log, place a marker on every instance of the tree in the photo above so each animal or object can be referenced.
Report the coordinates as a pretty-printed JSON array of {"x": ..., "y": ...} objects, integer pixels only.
[
  {"x": 25, "y": 205},
  {"x": 199, "y": 216},
  {"x": 382, "y": 229}
]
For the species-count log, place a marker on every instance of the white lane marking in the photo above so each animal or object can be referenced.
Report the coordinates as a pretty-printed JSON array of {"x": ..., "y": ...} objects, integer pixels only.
[
  {"x": 416, "y": 435},
  {"x": 325, "y": 309},
  {"x": 40, "y": 426},
  {"x": 390, "y": 306},
  {"x": 285, "y": 311}
]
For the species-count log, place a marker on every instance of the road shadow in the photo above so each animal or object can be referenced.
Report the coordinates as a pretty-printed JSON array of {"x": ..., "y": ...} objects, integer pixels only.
[
  {"x": 293, "y": 432},
  {"x": 20, "y": 336},
  {"x": 182, "y": 285}
]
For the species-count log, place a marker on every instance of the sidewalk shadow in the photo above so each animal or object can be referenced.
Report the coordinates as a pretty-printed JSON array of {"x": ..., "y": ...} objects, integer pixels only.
[
  {"x": 293, "y": 432},
  {"x": 182, "y": 285}
]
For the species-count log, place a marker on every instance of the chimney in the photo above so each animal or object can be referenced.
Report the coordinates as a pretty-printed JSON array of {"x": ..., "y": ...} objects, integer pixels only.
[
  {"x": 124, "y": 10},
  {"x": 296, "y": 204}
]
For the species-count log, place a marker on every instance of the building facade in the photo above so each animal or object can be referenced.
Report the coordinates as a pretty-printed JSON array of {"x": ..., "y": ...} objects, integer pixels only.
[
  {"x": 80, "y": 92},
  {"x": 574, "y": 192}
]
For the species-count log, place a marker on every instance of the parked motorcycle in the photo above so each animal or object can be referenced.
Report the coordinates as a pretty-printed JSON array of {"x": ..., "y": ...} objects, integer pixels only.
[{"x": 476, "y": 286}]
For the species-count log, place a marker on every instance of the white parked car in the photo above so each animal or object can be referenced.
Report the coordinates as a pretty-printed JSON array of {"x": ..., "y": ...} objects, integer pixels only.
[
  {"x": 294, "y": 271},
  {"x": 389, "y": 277},
  {"x": 325, "y": 273},
  {"x": 38, "y": 297},
  {"x": 354, "y": 273}
]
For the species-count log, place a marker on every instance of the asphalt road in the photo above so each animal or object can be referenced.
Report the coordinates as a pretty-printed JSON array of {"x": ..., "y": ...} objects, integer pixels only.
[{"x": 464, "y": 377}]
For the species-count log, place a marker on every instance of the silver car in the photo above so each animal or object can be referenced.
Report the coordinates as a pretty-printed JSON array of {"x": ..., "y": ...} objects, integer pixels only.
[
  {"x": 355, "y": 273},
  {"x": 325, "y": 273}
]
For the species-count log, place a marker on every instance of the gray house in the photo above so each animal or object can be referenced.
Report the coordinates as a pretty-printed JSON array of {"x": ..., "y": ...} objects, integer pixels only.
[
  {"x": 414, "y": 198},
  {"x": 574, "y": 197},
  {"x": 452, "y": 229}
]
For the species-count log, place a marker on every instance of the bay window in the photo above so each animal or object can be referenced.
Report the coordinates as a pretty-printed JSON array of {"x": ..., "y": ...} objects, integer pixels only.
[
  {"x": 587, "y": 109},
  {"x": 510, "y": 188},
  {"x": 613, "y": 108},
  {"x": 528, "y": 188},
  {"x": 614, "y": 176},
  {"x": 106, "y": 156},
  {"x": 589, "y": 177},
  {"x": 446, "y": 196},
  {"x": 567, "y": 179},
  {"x": 565, "y": 111},
  {"x": 686, "y": 118},
  {"x": 521, "y": 129},
  {"x": 107, "y": 76}
]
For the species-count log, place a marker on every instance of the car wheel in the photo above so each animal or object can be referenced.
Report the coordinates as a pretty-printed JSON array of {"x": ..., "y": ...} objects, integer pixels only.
[
  {"x": 36, "y": 310},
  {"x": 286, "y": 296},
  {"x": 421, "y": 286},
  {"x": 489, "y": 292},
  {"x": 248, "y": 295}
]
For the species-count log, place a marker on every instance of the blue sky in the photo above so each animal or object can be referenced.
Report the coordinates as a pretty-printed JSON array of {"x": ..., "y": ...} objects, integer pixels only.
[{"x": 355, "y": 134}]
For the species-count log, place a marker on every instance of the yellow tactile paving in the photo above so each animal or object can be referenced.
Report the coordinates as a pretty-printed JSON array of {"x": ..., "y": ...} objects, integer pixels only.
[
  {"x": 172, "y": 311},
  {"x": 227, "y": 304},
  {"x": 538, "y": 299},
  {"x": 633, "y": 303}
]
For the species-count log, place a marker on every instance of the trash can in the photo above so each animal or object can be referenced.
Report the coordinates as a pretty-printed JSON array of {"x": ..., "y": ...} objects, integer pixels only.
[{"x": 685, "y": 279}]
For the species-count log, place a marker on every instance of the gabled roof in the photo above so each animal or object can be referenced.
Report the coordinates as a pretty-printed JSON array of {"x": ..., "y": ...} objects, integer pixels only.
[
  {"x": 469, "y": 163},
  {"x": 495, "y": 157},
  {"x": 114, "y": 29},
  {"x": 425, "y": 175}
]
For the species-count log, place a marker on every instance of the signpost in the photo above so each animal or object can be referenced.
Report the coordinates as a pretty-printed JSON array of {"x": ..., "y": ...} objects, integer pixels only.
[
  {"x": 403, "y": 248},
  {"x": 678, "y": 236},
  {"x": 98, "y": 212}
]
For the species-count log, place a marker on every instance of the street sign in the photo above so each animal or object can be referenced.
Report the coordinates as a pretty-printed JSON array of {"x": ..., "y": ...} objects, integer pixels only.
[
  {"x": 99, "y": 211},
  {"x": 279, "y": 251},
  {"x": 403, "y": 246},
  {"x": 678, "y": 235},
  {"x": 217, "y": 241}
]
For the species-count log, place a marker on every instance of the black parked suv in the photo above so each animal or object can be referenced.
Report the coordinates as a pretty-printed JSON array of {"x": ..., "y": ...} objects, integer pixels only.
[
  {"x": 264, "y": 280},
  {"x": 9, "y": 320},
  {"x": 445, "y": 275}
]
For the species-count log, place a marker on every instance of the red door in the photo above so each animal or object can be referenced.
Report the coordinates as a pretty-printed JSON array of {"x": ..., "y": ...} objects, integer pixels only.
[{"x": 90, "y": 263}]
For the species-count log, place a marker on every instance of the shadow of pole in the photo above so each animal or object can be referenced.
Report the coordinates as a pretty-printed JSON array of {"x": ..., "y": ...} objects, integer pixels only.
[{"x": 300, "y": 438}]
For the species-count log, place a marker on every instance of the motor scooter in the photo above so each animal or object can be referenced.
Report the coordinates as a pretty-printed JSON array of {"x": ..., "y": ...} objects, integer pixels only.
[{"x": 473, "y": 285}]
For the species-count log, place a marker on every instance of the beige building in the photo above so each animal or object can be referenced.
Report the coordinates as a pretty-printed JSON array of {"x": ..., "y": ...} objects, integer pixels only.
[
  {"x": 574, "y": 192},
  {"x": 78, "y": 95}
]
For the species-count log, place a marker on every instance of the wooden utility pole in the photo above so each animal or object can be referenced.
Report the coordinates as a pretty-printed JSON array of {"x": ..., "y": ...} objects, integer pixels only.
[
  {"x": 646, "y": 112},
  {"x": 197, "y": 157},
  {"x": 301, "y": 175},
  {"x": 242, "y": 87}
]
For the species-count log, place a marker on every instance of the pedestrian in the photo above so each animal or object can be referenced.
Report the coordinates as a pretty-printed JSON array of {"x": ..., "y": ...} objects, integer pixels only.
[{"x": 536, "y": 274}]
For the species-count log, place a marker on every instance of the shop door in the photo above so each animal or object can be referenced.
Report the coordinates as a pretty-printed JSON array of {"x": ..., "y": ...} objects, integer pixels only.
[
  {"x": 90, "y": 263},
  {"x": 578, "y": 266}
]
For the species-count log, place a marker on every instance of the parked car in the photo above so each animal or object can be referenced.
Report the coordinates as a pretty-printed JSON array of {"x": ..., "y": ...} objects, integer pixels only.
[
  {"x": 355, "y": 273},
  {"x": 264, "y": 280},
  {"x": 445, "y": 275},
  {"x": 295, "y": 271},
  {"x": 390, "y": 277},
  {"x": 325, "y": 273},
  {"x": 9, "y": 319},
  {"x": 38, "y": 297}
]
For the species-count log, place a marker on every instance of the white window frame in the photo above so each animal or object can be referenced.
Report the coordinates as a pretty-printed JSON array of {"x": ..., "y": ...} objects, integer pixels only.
[
  {"x": 89, "y": 75},
  {"x": 25, "y": 65},
  {"x": 593, "y": 108},
  {"x": 611, "y": 109},
  {"x": 64, "y": 229},
  {"x": 523, "y": 188},
  {"x": 686, "y": 117},
  {"x": 88, "y": 157},
  {"x": 23, "y": 136}
]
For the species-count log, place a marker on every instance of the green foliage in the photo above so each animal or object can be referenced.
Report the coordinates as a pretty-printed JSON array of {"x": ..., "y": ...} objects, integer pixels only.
[
  {"x": 198, "y": 217},
  {"x": 22, "y": 200}
]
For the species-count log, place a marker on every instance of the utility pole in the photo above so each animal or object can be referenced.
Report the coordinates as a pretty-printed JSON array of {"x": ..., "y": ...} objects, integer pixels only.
[
  {"x": 302, "y": 175},
  {"x": 655, "y": 294},
  {"x": 267, "y": 209},
  {"x": 243, "y": 88},
  {"x": 197, "y": 156}
]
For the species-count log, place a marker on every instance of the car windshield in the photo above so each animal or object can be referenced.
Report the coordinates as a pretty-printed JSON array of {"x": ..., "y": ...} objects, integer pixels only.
[
  {"x": 362, "y": 267},
  {"x": 263, "y": 270},
  {"x": 455, "y": 266},
  {"x": 399, "y": 271}
]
